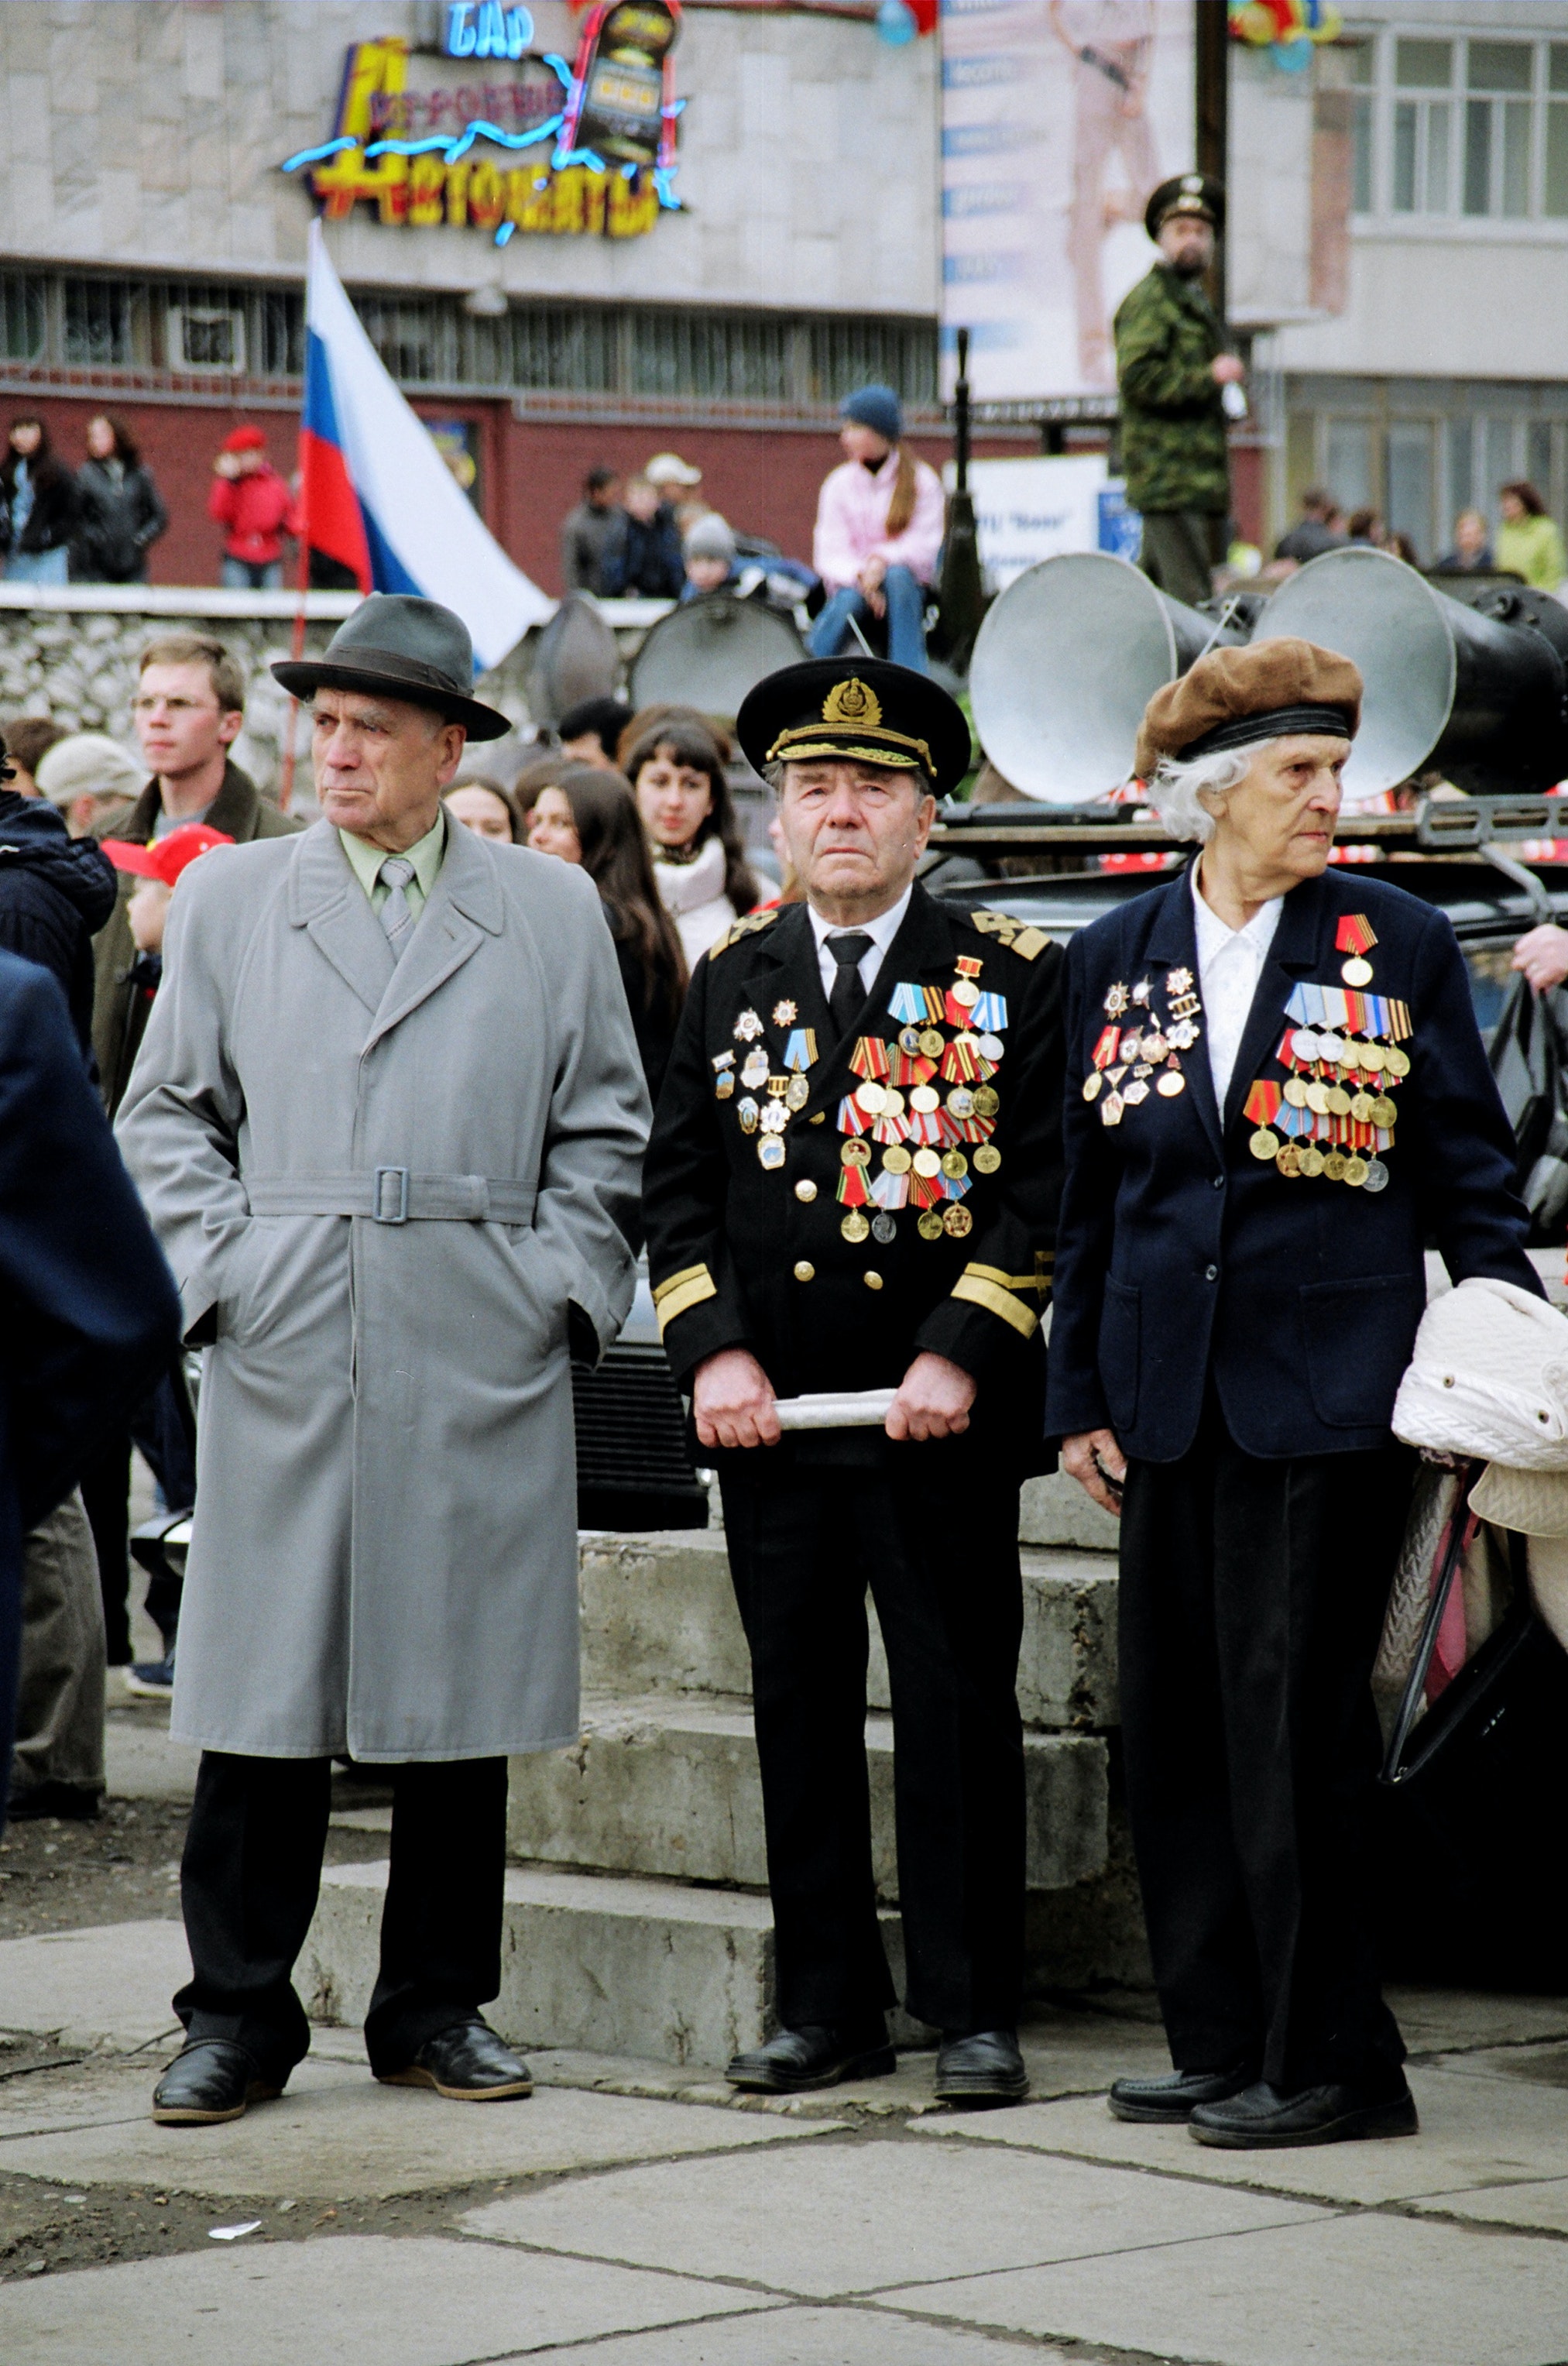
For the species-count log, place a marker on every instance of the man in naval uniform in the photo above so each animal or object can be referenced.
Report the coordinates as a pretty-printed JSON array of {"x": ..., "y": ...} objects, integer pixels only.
[
  {"x": 1276, "y": 1096},
  {"x": 852, "y": 1184}
]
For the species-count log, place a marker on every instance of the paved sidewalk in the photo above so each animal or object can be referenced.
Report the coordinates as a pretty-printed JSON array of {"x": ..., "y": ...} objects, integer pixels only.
[
  {"x": 660, "y": 2226},
  {"x": 632, "y": 2215}
]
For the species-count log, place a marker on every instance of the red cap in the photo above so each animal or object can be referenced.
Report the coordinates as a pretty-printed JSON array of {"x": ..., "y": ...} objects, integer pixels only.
[
  {"x": 246, "y": 439},
  {"x": 165, "y": 857}
]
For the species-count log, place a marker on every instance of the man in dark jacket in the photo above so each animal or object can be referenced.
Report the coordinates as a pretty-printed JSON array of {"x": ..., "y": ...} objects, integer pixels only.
[
  {"x": 1172, "y": 372},
  {"x": 646, "y": 562},
  {"x": 88, "y": 1313},
  {"x": 592, "y": 532},
  {"x": 188, "y": 709},
  {"x": 56, "y": 892}
]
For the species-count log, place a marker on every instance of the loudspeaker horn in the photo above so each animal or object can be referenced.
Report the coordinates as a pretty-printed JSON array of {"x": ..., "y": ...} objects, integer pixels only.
[
  {"x": 708, "y": 653},
  {"x": 1447, "y": 687},
  {"x": 576, "y": 658},
  {"x": 1064, "y": 666}
]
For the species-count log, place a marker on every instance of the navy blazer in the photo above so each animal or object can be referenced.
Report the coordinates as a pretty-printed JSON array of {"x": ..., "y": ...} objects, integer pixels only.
[
  {"x": 89, "y": 1315},
  {"x": 1182, "y": 1256}
]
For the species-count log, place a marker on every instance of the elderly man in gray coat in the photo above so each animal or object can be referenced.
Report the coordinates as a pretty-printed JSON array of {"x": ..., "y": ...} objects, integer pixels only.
[{"x": 387, "y": 1121}]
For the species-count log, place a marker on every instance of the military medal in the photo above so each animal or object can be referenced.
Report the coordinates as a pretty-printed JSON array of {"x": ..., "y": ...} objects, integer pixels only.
[
  {"x": 987, "y": 1101},
  {"x": 1355, "y": 1170},
  {"x": 771, "y": 1152},
  {"x": 797, "y": 1092},
  {"x": 929, "y": 1225},
  {"x": 1171, "y": 1083},
  {"x": 1142, "y": 991},
  {"x": 1376, "y": 1177},
  {"x": 924, "y": 1099},
  {"x": 988, "y": 1158},
  {"x": 747, "y": 1028},
  {"x": 956, "y": 1223},
  {"x": 1355, "y": 936},
  {"x": 774, "y": 1117},
  {"x": 1136, "y": 1091},
  {"x": 855, "y": 1154},
  {"x": 869, "y": 1058},
  {"x": 1263, "y": 1108},
  {"x": 724, "y": 1076},
  {"x": 854, "y": 1226},
  {"x": 1111, "y": 1108},
  {"x": 882, "y": 1227},
  {"x": 800, "y": 1050},
  {"x": 932, "y": 1043},
  {"x": 747, "y": 1112},
  {"x": 897, "y": 1159},
  {"x": 910, "y": 1039},
  {"x": 1115, "y": 1001},
  {"x": 755, "y": 1071},
  {"x": 785, "y": 1013}
]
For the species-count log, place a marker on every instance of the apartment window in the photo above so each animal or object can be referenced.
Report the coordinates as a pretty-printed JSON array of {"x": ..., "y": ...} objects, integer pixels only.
[{"x": 1463, "y": 127}]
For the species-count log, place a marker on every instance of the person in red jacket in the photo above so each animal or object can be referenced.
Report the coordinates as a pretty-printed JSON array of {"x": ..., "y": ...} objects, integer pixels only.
[{"x": 251, "y": 500}]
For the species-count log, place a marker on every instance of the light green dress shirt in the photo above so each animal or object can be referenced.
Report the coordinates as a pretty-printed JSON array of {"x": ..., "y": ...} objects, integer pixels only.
[{"x": 425, "y": 854}]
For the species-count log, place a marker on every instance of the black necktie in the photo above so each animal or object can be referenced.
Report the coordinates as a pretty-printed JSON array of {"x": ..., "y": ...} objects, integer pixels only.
[{"x": 848, "y": 951}]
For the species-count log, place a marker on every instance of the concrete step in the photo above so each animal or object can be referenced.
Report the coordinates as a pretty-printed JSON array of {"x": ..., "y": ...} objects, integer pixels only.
[
  {"x": 1055, "y": 1511},
  {"x": 669, "y": 1786},
  {"x": 647, "y": 1968},
  {"x": 659, "y": 1615}
]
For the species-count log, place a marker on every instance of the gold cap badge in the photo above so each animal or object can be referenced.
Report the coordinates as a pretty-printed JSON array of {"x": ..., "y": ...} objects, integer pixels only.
[{"x": 851, "y": 702}]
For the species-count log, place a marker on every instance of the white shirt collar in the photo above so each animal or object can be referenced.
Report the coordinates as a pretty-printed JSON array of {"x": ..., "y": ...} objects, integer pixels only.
[
  {"x": 1215, "y": 934},
  {"x": 882, "y": 930}
]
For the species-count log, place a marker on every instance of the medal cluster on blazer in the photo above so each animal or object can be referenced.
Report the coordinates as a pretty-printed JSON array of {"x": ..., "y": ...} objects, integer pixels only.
[
  {"x": 1335, "y": 1111},
  {"x": 1139, "y": 1042}
]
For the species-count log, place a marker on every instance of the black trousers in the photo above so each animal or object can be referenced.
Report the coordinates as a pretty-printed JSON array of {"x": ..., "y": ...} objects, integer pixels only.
[
  {"x": 249, "y": 1880},
  {"x": 1252, "y": 1597},
  {"x": 941, "y": 1560}
]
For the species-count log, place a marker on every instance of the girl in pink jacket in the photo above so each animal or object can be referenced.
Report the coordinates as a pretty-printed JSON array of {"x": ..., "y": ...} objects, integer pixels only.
[{"x": 879, "y": 526}]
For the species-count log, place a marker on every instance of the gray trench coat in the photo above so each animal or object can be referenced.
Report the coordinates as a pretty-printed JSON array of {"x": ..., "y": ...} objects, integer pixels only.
[{"x": 384, "y": 1556}]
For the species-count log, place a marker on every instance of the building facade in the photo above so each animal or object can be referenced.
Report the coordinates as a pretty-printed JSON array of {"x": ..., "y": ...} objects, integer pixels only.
[
  {"x": 1417, "y": 264},
  {"x": 545, "y": 320}
]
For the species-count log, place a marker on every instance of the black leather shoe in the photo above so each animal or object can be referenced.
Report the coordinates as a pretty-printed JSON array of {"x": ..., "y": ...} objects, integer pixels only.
[
  {"x": 211, "y": 2080},
  {"x": 467, "y": 2064},
  {"x": 1260, "y": 2118},
  {"x": 984, "y": 2067},
  {"x": 1171, "y": 2098},
  {"x": 797, "y": 2059},
  {"x": 70, "y": 1801}
]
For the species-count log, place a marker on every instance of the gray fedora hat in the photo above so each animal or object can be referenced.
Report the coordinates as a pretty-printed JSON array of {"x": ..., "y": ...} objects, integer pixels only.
[{"x": 401, "y": 648}]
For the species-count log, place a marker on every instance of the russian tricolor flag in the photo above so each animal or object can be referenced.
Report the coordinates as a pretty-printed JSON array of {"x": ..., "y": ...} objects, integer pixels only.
[{"x": 377, "y": 495}]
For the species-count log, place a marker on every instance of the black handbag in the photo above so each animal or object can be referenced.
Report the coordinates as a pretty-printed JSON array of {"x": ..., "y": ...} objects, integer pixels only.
[
  {"x": 1530, "y": 1066},
  {"x": 1468, "y": 1880}
]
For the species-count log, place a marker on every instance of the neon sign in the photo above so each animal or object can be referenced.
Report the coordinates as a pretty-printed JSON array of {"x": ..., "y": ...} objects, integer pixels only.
[
  {"x": 483, "y": 28},
  {"x": 594, "y": 141}
]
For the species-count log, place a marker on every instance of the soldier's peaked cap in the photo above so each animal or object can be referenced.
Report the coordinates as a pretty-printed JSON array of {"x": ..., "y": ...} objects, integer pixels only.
[
  {"x": 1186, "y": 193},
  {"x": 857, "y": 708}
]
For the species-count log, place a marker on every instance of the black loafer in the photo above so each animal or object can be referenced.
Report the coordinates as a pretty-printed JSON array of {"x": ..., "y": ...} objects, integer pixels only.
[
  {"x": 983, "y": 2067},
  {"x": 467, "y": 2064},
  {"x": 797, "y": 2059},
  {"x": 1171, "y": 2098},
  {"x": 1261, "y": 2119},
  {"x": 213, "y": 2080}
]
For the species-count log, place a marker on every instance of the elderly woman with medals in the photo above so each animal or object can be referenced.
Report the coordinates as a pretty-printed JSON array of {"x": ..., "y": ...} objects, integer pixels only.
[{"x": 1277, "y": 1095}]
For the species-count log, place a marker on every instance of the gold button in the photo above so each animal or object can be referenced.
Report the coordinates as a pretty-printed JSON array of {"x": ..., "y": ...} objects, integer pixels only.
[
  {"x": 873, "y": 1281},
  {"x": 805, "y": 1188},
  {"x": 805, "y": 1271}
]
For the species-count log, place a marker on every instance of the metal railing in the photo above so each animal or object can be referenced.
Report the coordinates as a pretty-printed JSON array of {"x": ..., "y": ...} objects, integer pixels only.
[{"x": 214, "y": 338}]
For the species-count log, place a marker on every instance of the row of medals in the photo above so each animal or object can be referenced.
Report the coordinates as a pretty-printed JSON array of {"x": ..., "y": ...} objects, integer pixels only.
[
  {"x": 787, "y": 1095},
  {"x": 1357, "y": 1067},
  {"x": 1139, "y": 1055}
]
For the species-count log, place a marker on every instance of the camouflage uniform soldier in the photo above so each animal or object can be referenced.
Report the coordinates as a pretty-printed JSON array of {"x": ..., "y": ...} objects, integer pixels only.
[{"x": 1171, "y": 372}]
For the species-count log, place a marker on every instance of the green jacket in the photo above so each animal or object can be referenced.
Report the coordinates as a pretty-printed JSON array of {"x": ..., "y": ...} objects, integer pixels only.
[{"x": 1173, "y": 421}]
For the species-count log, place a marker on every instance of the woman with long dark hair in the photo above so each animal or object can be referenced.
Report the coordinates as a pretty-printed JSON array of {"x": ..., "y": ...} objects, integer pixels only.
[
  {"x": 120, "y": 510},
  {"x": 879, "y": 526},
  {"x": 676, "y": 769},
  {"x": 37, "y": 505},
  {"x": 588, "y": 816}
]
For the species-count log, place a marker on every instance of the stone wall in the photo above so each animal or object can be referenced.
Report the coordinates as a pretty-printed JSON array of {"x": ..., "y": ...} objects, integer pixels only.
[{"x": 73, "y": 654}]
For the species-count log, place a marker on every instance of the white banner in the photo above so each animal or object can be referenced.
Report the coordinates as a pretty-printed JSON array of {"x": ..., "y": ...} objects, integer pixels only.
[{"x": 1059, "y": 118}]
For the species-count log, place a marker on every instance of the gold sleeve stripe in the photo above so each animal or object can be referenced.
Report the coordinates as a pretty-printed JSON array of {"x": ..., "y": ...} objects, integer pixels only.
[
  {"x": 1009, "y": 1280},
  {"x": 681, "y": 1301},
  {"x": 980, "y": 1292},
  {"x": 673, "y": 1282}
]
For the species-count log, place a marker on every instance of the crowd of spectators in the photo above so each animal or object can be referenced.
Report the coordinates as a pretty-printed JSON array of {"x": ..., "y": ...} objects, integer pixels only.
[{"x": 1526, "y": 543}]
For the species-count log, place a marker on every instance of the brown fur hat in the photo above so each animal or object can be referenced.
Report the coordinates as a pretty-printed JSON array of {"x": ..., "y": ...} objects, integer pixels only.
[{"x": 1235, "y": 697}]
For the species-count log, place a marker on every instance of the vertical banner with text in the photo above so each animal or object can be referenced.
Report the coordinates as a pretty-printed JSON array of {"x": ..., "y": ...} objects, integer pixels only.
[{"x": 1059, "y": 117}]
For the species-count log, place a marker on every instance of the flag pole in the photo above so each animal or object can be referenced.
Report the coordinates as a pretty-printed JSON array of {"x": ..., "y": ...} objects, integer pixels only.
[{"x": 297, "y": 644}]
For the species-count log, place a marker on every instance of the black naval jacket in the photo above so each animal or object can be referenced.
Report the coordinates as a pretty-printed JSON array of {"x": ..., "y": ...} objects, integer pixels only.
[
  {"x": 742, "y": 1257},
  {"x": 1183, "y": 1255}
]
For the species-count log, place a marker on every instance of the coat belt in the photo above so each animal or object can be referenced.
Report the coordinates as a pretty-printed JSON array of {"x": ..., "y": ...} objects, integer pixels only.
[{"x": 392, "y": 1195}]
